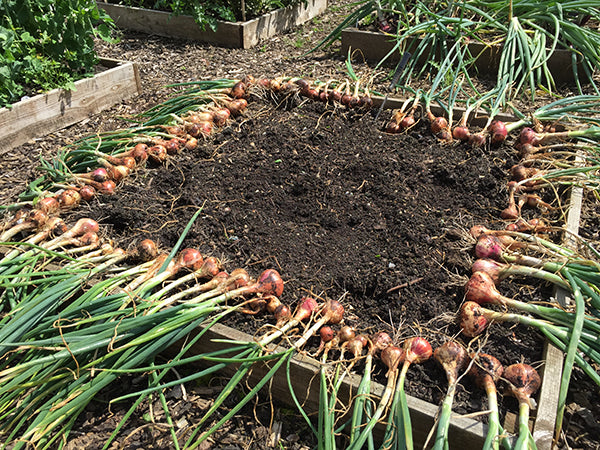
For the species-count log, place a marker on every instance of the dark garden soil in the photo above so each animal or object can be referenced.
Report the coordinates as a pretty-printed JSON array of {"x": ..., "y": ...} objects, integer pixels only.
[{"x": 339, "y": 208}]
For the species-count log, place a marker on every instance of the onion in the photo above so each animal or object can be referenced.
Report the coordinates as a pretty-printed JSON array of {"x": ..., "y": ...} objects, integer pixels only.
[
  {"x": 347, "y": 333},
  {"x": 327, "y": 334},
  {"x": 472, "y": 319},
  {"x": 305, "y": 310},
  {"x": 221, "y": 116},
  {"x": 239, "y": 278},
  {"x": 529, "y": 136},
  {"x": 497, "y": 131},
  {"x": 492, "y": 267},
  {"x": 270, "y": 282},
  {"x": 190, "y": 258},
  {"x": 158, "y": 153},
  {"x": 357, "y": 345},
  {"x": 237, "y": 106},
  {"x": 416, "y": 350},
  {"x": 49, "y": 205},
  {"x": 140, "y": 153},
  {"x": 191, "y": 143},
  {"x": 438, "y": 124},
  {"x": 239, "y": 90},
  {"x": 81, "y": 227},
  {"x": 453, "y": 358},
  {"x": 461, "y": 133},
  {"x": 488, "y": 246},
  {"x": 524, "y": 381},
  {"x": 146, "y": 250},
  {"x": 282, "y": 314},
  {"x": 381, "y": 340},
  {"x": 201, "y": 129},
  {"x": 486, "y": 370},
  {"x": 392, "y": 128},
  {"x": 407, "y": 122},
  {"x": 477, "y": 139},
  {"x": 511, "y": 212},
  {"x": 69, "y": 199},
  {"x": 174, "y": 145},
  {"x": 210, "y": 267},
  {"x": 392, "y": 356},
  {"x": 199, "y": 117},
  {"x": 87, "y": 192},
  {"x": 481, "y": 289}
]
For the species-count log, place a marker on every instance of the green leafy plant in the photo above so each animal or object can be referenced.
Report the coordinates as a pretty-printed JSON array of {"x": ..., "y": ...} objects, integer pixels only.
[{"x": 47, "y": 44}]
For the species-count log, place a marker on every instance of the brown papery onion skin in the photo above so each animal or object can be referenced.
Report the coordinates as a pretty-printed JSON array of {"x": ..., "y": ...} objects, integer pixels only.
[
  {"x": 146, "y": 250},
  {"x": 381, "y": 340},
  {"x": 453, "y": 358},
  {"x": 524, "y": 381},
  {"x": 69, "y": 199},
  {"x": 49, "y": 205},
  {"x": 486, "y": 370},
  {"x": 392, "y": 357}
]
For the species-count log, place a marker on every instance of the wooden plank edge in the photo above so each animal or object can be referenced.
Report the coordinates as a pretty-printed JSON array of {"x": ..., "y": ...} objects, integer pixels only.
[
  {"x": 467, "y": 433},
  {"x": 95, "y": 94},
  {"x": 543, "y": 430}
]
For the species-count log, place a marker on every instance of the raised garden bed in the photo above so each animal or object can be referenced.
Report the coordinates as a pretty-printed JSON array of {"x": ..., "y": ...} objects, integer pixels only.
[
  {"x": 340, "y": 209},
  {"x": 236, "y": 35},
  {"x": 45, "y": 113},
  {"x": 375, "y": 46}
]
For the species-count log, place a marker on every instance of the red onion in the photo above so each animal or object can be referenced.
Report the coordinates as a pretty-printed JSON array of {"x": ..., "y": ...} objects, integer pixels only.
[
  {"x": 191, "y": 143},
  {"x": 529, "y": 136},
  {"x": 221, "y": 116},
  {"x": 87, "y": 192},
  {"x": 472, "y": 320},
  {"x": 381, "y": 340},
  {"x": 438, "y": 124},
  {"x": 511, "y": 212},
  {"x": 305, "y": 310},
  {"x": 497, "y": 131},
  {"x": 347, "y": 333},
  {"x": 157, "y": 153},
  {"x": 327, "y": 334},
  {"x": 416, "y": 350},
  {"x": 270, "y": 282},
  {"x": 488, "y": 246},
  {"x": 190, "y": 258},
  {"x": 490, "y": 266},
  {"x": 236, "y": 107},
  {"x": 282, "y": 314},
  {"x": 239, "y": 90},
  {"x": 481, "y": 289},
  {"x": 461, "y": 133},
  {"x": 81, "y": 227}
]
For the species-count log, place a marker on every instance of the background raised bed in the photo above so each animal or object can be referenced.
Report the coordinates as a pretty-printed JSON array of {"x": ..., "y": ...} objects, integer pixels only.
[
  {"x": 44, "y": 113},
  {"x": 239, "y": 35}
]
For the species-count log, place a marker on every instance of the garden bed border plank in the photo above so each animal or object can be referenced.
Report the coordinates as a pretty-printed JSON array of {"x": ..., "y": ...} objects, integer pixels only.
[
  {"x": 229, "y": 34},
  {"x": 59, "y": 108}
]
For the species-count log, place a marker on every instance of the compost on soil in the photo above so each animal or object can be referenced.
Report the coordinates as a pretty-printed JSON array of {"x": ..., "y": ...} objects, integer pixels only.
[{"x": 343, "y": 211}]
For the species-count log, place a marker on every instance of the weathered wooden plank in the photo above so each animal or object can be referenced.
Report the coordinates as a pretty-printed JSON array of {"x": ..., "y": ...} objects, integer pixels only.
[
  {"x": 543, "y": 431},
  {"x": 45, "y": 113},
  {"x": 228, "y": 34}
]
